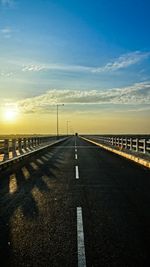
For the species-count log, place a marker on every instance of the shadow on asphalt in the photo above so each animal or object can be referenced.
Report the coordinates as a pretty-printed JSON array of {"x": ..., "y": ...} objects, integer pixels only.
[{"x": 16, "y": 192}]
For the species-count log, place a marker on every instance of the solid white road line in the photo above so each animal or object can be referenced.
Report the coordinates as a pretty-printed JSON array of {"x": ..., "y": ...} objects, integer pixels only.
[
  {"x": 77, "y": 172},
  {"x": 76, "y": 156},
  {"x": 80, "y": 239}
]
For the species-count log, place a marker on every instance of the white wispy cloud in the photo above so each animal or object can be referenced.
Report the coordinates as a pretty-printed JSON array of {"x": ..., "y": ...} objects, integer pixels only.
[
  {"x": 122, "y": 62},
  {"x": 138, "y": 93},
  {"x": 6, "y": 32},
  {"x": 61, "y": 67},
  {"x": 6, "y": 74},
  {"x": 33, "y": 67},
  {"x": 136, "y": 109}
]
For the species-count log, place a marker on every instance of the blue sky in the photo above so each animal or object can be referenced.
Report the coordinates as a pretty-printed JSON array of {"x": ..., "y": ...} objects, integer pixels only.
[{"x": 91, "y": 47}]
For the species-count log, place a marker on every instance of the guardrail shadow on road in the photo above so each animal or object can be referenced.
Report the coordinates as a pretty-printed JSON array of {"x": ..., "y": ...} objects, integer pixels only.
[{"x": 20, "y": 186}]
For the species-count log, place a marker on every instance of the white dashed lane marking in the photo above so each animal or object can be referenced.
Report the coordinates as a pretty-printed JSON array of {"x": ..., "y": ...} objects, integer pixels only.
[
  {"x": 80, "y": 231},
  {"x": 77, "y": 172},
  {"x": 80, "y": 239}
]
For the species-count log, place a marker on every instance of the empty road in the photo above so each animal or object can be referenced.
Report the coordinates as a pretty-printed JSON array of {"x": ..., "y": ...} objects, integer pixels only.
[{"x": 75, "y": 204}]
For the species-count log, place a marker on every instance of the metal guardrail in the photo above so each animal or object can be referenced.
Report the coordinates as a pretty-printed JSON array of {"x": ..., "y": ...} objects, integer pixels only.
[
  {"x": 10, "y": 148},
  {"x": 133, "y": 143}
]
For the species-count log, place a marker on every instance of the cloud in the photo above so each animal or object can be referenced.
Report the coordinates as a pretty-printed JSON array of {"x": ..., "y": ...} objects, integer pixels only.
[
  {"x": 122, "y": 62},
  {"x": 6, "y": 74},
  {"x": 138, "y": 93},
  {"x": 8, "y": 3},
  {"x": 6, "y": 32},
  {"x": 136, "y": 109},
  {"x": 61, "y": 67},
  {"x": 34, "y": 68}
]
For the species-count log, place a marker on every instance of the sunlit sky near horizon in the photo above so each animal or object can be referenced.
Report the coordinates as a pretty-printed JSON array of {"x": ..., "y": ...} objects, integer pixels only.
[{"x": 93, "y": 56}]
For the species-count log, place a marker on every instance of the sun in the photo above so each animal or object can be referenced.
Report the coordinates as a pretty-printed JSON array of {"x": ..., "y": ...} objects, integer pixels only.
[{"x": 10, "y": 113}]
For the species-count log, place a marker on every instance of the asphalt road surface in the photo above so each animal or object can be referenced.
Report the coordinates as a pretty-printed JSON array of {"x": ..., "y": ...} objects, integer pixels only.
[{"x": 75, "y": 204}]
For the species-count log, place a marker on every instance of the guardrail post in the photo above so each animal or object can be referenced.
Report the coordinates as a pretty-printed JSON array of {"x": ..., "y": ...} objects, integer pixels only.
[
  {"x": 24, "y": 143},
  {"x": 20, "y": 145},
  {"x": 32, "y": 142},
  {"x": 144, "y": 146},
  {"x": 117, "y": 141},
  {"x": 38, "y": 141},
  {"x": 130, "y": 143},
  {"x": 126, "y": 143},
  {"x": 6, "y": 149},
  {"x": 112, "y": 141},
  {"x": 35, "y": 141},
  {"x": 14, "y": 147},
  {"x": 29, "y": 142},
  {"x": 137, "y": 144},
  {"x": 121, "y": 143}
]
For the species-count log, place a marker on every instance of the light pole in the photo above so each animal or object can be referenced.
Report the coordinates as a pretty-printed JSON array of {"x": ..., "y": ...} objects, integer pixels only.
[
  {"x": 58, "y": 105},
  {"x": 67, "y": 127}
]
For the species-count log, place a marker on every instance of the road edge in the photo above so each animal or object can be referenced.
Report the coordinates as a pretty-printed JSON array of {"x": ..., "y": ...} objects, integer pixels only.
[
  {"x": 7, "y": 163},
  {"x": 138, "y": 160}
]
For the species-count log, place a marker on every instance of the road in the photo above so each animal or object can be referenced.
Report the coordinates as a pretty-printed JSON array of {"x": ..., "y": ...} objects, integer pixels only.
[{"x": 75, "y": 204}]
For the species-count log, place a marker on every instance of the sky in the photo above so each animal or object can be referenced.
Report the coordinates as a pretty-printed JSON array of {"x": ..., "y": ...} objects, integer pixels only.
[{"x": 92, "y": 56}]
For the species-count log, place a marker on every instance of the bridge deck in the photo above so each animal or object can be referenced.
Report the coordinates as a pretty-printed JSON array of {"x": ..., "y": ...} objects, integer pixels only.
[{"x": 75, "y": 204}]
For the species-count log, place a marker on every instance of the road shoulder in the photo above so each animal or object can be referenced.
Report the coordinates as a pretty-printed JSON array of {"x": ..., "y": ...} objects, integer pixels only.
[{"x": 141, "y": 161}]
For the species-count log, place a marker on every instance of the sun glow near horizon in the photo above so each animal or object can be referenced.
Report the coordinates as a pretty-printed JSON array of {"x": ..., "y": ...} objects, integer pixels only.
[{"x": 10, "y": 113}]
